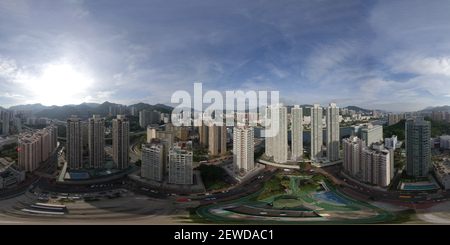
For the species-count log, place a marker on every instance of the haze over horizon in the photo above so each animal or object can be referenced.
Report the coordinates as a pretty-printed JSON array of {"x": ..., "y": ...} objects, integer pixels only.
[{"x": 387, "y": 55}]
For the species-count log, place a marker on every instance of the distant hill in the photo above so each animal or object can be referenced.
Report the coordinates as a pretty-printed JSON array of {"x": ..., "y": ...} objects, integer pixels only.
[
  {"x": 64, "y": 112},
  {"x": 437, "y": 108},
  {"x": 437, "y": 128},
  {"x": 35, "y": 108},
  {"x": 355, "y": 108},
  {"x": 158, "y": 107}
]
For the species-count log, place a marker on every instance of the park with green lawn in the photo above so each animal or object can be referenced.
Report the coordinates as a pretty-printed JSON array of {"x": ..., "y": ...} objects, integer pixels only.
[{"x": 299, "y": 199}]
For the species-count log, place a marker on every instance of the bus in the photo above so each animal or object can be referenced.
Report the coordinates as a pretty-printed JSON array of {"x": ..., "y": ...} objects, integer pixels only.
[
  {"x": 41, "y": 212},
  {"x": 404, "y": 196},
  {"x": 64, "y": 194},
  {"x": 46, "y": 207},
  {"x": 51, "y": 205}
]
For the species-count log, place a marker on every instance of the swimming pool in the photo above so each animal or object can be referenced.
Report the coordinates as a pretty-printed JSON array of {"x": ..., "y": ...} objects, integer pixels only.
[
  {"x": 330, "y": 197},
  {"x": 419, "y": 187},
  {"x": 78, "y": 175}
]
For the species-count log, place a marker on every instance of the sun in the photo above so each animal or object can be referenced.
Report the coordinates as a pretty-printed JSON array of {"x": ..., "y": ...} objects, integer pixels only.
[{"x": 60, "y": 85}]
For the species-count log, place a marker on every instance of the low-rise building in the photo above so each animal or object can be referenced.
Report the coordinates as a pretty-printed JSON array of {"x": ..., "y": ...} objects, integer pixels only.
[
  {"x": 441, "y": 171},
  {"x": 10, "y": 174}
]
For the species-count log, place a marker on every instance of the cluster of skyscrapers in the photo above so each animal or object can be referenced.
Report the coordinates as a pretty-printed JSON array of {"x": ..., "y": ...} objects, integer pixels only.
[
  {"x": 213, "y": 137},
  {"x": 159, "y": 159},
  {"x": 373, "y": 162},
  {"x": 35, "y": 148},
  {"x": 277, "y": 127},
  {"x": 96, "y": 142}
]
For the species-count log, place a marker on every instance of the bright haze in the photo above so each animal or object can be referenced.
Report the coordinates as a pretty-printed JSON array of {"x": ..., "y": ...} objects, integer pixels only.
[{"x": 388, "y": 55}]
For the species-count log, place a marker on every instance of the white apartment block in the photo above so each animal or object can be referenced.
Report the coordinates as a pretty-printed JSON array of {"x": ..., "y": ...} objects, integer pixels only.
[
  {"x": 74, "y": 142},
  {"x": 368, "y": 132},
  {"x": 316, "y": 132},
  {"x": 154, "y": 159},
  {"x": 376, "y": 165},
  {"x": 268, "y": 131},
  {"x": 279, "y": 143},
  {"x": 243, "y": 148},
  {"x": 297, "y": 132},
  {"x": 391, "y": 142},
  {"x": 29, "y": 149},
  {"x": 332, "y": 123},
  {"x": 352, "y": 148},
  {"x": 180, "y": 166},
  {"x": 121, "y": 141},
  {"x": 394, "y": 118},
  {"x": 96, "y": 141},
  {"x": 149, "y": 117}
]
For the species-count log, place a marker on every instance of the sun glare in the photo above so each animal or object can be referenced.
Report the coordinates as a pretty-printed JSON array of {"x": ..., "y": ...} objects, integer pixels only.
[{"x": 60, "y": 85}]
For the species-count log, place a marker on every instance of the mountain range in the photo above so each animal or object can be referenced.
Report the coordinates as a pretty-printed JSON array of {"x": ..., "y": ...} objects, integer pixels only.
[
  {"x": 437, "y": 108},
  {"x": 66, "y": 111}
]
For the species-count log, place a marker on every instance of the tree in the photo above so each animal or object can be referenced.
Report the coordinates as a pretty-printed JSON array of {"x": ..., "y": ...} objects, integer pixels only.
[{"x": 272, "y": 184}]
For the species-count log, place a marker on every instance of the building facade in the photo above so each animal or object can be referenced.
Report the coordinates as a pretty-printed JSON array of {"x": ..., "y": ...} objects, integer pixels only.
[
  {"x": 279, "y": 141},
  {"x": 121, "y": 141},
  {"x": 332, "y": 123},
  {"x": 297, "y": 132},
  {"x": 74, "y": 142},
  {"x": 96, "y": 128},
  {"x": 376, "y": 165},
  {"x": 352, "y": 148},
  {"x": 316, "y": 132},
  {"x": 154, "y": 159},
  {"x": 180, "y": 166},
  {"x": 417, "y": 144},
  {"x": 243, "y": 148}
]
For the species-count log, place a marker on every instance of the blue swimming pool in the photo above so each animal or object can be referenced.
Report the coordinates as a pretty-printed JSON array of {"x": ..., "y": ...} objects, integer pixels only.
[
  {"x": 419, "y": 187},
  {"x": 78, "y": 175},
  {"x": 330, "y": 197}
]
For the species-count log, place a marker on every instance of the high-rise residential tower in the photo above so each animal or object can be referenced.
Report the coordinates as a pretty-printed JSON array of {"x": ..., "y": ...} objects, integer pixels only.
[
  {"x": 417, "y": 144},
  {"x": 332, "y": 123},
  {"x": 5, "y": 119},
  {"x": 297, "y": 132},
  {"x": 376, "y": 165},
  {"x": 243, "y": 148},
  {"x": 121, "y": 141},
  {"x": 316, "y": 132},
  {"x": 96, "y": 142},
  {"x": 74, "y": 142},
  {"x": 268, "y": 132},
  {"x": 278, "y": 125},
  {"x": 180, "y": 166},
  {"x": 352, "y": 148},
  {"x": 154, "y": 159}
]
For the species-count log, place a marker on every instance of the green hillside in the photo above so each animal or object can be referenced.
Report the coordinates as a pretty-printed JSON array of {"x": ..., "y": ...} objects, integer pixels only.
[{"x": 437, "y": 128}]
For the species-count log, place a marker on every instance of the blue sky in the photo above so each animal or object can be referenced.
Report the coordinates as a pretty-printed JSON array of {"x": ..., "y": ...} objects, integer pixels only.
[{"x": 388, "y": 55}]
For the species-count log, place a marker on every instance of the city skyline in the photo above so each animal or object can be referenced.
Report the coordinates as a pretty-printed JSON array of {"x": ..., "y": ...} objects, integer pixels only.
[{"x": 372, "y": 54}]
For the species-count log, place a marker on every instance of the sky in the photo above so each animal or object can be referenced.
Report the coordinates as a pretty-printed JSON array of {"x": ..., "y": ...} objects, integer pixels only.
[{"x": 386, "y": 55}]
